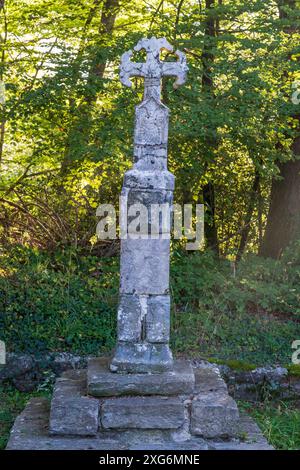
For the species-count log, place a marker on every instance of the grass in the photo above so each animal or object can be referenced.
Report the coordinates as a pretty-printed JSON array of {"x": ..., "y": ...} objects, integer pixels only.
[
  {"x": 12, "y": 403},
  {"x": 279, "y": 422}
]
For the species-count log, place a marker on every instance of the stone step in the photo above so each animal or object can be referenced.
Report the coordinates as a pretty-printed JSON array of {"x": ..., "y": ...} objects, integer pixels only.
[
  {"x": 72, "y": 412},
  {"x": 31, "y": 432},
  {"x": 213, "y": 412},
  {"x": 103, "y": 383},
  {"x": 142, "y": 413},
  {"x": 143, "y": 401}
]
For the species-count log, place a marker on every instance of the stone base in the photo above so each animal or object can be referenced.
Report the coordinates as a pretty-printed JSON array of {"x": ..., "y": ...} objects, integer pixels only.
[
  {"x": 102, "y": 383},
  {"x": 142, "y": 358},
  {"x": 31, "y": 432},
  {"x": 72, "y": 412},
  {"x": 134, "y": 411}
]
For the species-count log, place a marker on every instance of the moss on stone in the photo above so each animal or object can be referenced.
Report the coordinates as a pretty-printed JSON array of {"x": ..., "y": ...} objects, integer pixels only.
[
  {"x": 294, "y": 369},
  {"x": 234, "y": 364}
]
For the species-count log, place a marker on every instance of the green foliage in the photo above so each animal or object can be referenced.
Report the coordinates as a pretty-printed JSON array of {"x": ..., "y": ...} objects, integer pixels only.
[
  {"x": 63, "y": 302},
  {"x": 68, "y": 301},
  {"x": 67, "y": 123},
  {"x": 220, "y": 314},
  {"x": 279, "y": 422},
  {"x": 294, "y": 370}
]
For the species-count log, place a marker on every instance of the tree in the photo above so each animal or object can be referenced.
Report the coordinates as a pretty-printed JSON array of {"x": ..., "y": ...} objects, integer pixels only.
[{"x": 283, "y": 224}]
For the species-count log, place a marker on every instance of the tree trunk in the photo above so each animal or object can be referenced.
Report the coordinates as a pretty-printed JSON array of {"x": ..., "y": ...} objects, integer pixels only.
[
  {"x": 248, "y": 217},
  {"x": 283, "y": 223},
  {"x": 208, "y": 191},
  {"x": 210, "y": 229}
]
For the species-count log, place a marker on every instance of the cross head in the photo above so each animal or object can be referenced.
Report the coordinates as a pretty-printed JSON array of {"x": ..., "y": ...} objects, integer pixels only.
[{"x": 153, "y": 69}]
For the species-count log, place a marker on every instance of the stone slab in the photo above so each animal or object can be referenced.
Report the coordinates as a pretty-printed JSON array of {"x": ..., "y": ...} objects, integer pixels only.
[
  {"x": 142, "y": 413},
  {"x": 30, "y": 432},
  {"x": 71, "y": 412},
  {"x": 141, "y": 358},
  {"x": 151, "y": 123},
  {"x": 214, "y": 414},
  {"x": 208, "y": 379},
  {"x": 150, "y": 209},
  {"x": 145, "y": 266},
  {"x": 102, "y": 382}
]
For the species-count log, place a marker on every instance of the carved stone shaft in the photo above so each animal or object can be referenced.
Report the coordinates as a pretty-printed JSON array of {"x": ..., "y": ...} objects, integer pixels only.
[{"x": 144, "y": 306}]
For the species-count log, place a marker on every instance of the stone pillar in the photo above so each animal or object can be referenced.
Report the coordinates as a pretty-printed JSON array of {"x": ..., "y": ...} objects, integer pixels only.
[{"x": 144, "y": 306}]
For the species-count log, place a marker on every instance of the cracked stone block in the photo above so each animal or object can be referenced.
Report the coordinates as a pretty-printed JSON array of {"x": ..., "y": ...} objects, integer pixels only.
[
  {"x": 102, "y": 382},
  {"x": 71, "y": 413},
  {"x": 144, "y": 317},
  {"x": 214, "y": 415},
  {"x": 142, "y": 413},
  {"x": 158, "y": 319},
  {"x": 130, "y": 317}
]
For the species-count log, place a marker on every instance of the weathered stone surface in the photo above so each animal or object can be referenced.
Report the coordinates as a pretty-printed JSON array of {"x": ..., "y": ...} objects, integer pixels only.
[
  {"x": 151, "y": 163},
  {"x": 144, "y": 317},
  {"x": 153, "y": 151},
  {"x": 101, "y": 382},
  {"x": 153, "y": 67},
  {"x": 150, "y": 210},
  {"x": 145, "y": 266},
  {"x": 214, "y": 414},
  {"x": 145, "y": 262},
  {"x": 208, "y": 379},
  {"x": 17, "y": 365},
  {"x": 149, "y": 179},
  {"x": 130, "y": 315},
  {"x": 148, "y": 197},
  {"x": 151, "y": 123},
  {"x": 72, "y": 413},
  {"x": 22, "y": 370},
  {"x": 30, "y": 432},
  {"x": 158, "y": 319},
  {"x": 142, "y": 413},
  {"x": 75, "y": 416},
  {"x": 27, "y": 371},
  {"x": 142, "y": 358},
  {"x": 252, "y": 437}
]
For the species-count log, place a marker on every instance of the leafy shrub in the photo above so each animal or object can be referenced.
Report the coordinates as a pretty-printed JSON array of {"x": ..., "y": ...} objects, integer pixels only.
[
  {"x": 251, "y": 314},
  {"x": 68, "y": 301},
  {"x": 62, "y": 302}
]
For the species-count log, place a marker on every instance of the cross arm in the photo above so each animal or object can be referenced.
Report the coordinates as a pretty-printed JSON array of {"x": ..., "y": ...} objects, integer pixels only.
[
  {"x": 178, "y": 69},
  {"x": 129, "y": 69}
]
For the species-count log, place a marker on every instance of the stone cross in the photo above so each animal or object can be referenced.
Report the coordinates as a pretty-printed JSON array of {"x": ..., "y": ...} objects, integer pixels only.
[{"x": 144, "y": 305}]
